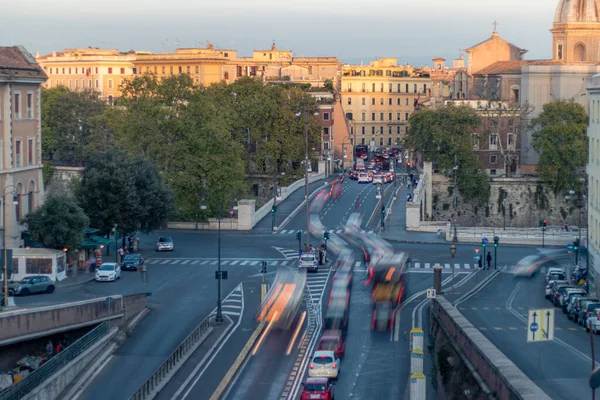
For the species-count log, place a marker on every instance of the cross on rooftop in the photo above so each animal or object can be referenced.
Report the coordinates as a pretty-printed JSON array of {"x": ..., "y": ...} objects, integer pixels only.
[{"x": 495, "y": 25}]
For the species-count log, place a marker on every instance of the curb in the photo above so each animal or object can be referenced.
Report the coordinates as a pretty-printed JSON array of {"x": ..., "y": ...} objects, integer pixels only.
[{"x": 68, "y": 285}]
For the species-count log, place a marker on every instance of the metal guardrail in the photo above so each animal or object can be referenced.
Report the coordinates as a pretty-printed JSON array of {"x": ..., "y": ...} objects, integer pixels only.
[
  {"x": 148, "y": 388},
  {"x": 37, "y": 377}
]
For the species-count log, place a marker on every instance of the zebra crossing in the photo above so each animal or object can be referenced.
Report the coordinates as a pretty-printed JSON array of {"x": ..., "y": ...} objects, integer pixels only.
[
  {"x": 336, "y": 231},
  {"x": 316, "y": 282},
  {"x": 242, "y": 262},
  {"x": 419, "y": 265},
  {"x": 233, "y": 304}
]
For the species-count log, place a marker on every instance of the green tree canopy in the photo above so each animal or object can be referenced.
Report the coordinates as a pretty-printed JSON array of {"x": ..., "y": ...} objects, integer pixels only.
[
  {"x": 559, "y": 136},
  {"x": 59, "y": 223},
  {"x": 69, "y": 121},
  {"x": 442, "y": 134},
  {"x": 117, "y": 189}
]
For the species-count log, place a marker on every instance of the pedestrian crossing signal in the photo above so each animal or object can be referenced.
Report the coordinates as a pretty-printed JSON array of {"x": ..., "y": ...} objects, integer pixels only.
[
  {"x": 298, "y": 235},
  {"x": 274, "y": 208},
  {"x": 263, "y": 269},
  {"x": 326, "y": 235}
]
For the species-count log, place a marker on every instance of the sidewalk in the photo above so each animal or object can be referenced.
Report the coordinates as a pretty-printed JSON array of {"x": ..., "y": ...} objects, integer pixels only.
[
  {"x": 395, "y": 224},
  {"x": 287, "y": 206},
  {"x": 72, "y": 281}
]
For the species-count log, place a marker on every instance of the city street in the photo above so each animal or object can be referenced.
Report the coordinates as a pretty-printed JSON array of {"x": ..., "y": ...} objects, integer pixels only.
[{"x": 500, "y": 312}]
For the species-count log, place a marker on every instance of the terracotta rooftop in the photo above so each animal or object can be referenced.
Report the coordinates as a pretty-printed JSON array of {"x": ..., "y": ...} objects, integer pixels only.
[
  {"x": 512, "y": 67},
  {"x": 16, "y": 62}
]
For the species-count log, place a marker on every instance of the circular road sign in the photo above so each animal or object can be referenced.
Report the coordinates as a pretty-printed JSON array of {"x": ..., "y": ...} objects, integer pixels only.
[
  {"x": 477, "y": 257},
  {"x": 533, "y": 327},
  {"x": 570, "y": 247},
  {"x": 485, "y": 240}
]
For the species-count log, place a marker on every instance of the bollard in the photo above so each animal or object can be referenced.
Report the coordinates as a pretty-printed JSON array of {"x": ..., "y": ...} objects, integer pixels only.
[
  {"x": 416, "y": 361},
  {"x": 437, "y": 279},
  {"x": 417, "y": 386},
  {"x": 416, "y": 339}
]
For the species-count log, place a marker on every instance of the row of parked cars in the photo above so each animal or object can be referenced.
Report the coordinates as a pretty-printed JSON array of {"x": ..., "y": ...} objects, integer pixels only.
[{"x": 572, "y": 298}]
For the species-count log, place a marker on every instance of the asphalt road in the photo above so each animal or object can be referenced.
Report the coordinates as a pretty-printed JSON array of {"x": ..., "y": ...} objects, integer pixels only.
[{"x": 560, "y": 367}]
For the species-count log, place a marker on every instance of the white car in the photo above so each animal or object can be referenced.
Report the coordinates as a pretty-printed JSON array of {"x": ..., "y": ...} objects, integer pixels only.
[
  {"x": 377, "y": 179},
  {"x": 554, "y": 270},
  {"x": 324, "y": 364},
  {"x": 363, "y": 178},
  {"x": 108, "y": 272},
  {"x": 308, "y": 261}
]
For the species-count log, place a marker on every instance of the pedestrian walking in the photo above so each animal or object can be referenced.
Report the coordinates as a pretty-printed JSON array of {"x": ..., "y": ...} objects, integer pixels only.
[
  {"x": 479, "y": 263},
  {"x": 121, "y": 254},
  {"x": 489, "y": 260}
]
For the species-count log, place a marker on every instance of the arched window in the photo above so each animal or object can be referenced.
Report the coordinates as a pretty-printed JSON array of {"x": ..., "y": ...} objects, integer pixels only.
[
  {"x": 579, "y": 52},
  {"x": 30, "y": 196},
  {"x": 18, "y": 193}
]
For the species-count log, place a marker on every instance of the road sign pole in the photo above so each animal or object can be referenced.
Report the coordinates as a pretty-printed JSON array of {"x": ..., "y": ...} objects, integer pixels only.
[
  {"x": 495, "y": 257},
  {"x": 538, "y": 364},
  {"x": 593, "y": 360}
]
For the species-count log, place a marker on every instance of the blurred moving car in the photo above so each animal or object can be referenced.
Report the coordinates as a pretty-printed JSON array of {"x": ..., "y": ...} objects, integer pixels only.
[
  {"x": 164, "y": 243},
  {"x": 317, "y": 388},
  {"x": 529, "y": 265},
  {"x": 131, "y": 262},
  {"x": 324, "y": 364},
  {"x": 108, "y": 272},
  {"x": 363, "y": 177},
  {"x": 333, "y": 340},
  {"x": 30, "y": 285}
]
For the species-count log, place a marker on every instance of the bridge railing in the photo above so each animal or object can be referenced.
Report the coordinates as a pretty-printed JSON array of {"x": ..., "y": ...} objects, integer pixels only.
[
  {"x": 154, "y": 384},
  {"x": 55, "y": 364}
]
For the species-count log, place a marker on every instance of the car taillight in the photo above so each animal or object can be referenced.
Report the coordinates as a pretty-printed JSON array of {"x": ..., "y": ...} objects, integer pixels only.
[
  {"x": 311, "y": 366},
  {"x": 333, "y": 366}
]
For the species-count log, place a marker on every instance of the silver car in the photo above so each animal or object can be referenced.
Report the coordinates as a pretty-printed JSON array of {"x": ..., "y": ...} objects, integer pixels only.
[
  {"x": 165, "y": 243},
  {"x": 31, "y": 284},
  {"x": 308, "y": 261},
  {"x": 324, "y": 364}
]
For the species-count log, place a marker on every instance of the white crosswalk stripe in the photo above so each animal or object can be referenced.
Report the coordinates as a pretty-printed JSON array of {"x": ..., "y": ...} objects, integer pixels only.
[
  {"x": 445, "y": 266},
  {"x": 233, "y": 304},
  {"x": 427, "y": 265}
]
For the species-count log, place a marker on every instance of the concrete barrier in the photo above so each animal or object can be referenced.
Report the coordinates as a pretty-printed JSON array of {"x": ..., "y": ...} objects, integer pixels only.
[
  {"x": 20, "y": 325},
  {"x": 498, "y": 372},
  {"x": 527, "y": 236}
]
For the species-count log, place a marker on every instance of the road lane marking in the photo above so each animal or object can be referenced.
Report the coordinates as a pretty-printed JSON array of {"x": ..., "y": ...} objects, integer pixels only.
[
  {"x": 234, "y": 262},
  {"x": 498, "y": 328},
  {"x": 482, "y": 328},
  {"x": 291, "y": 345},
  {"x": 427, "y": 265},
  {"x": 244, "y": 262},
  {"x": 185, "y": 262},
  {"x": 512, "y": 328},
  {"x": 467, "y": 266},
  {"x": 417, "y": 265},
  {"x": 457, "y": 266},
  {"x": 254, "y": 263},
  {"x": 166, "y": 262},
  {"x": 205, "y": 262},
  {"x": 195, "y": 262},
  {"x": 447, "y": 266}
]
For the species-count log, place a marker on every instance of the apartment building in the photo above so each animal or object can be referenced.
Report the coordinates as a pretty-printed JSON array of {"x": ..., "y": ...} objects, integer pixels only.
[
  {"x": 94, "y": 69},
  {"x": 593, "y": 171},
  {"x": 379, "y": 98},
  {"x": 20, "y": 139}
]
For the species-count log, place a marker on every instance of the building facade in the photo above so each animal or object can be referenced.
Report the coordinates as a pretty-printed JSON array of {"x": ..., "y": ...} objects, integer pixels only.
[
  {"x": 20, "y": 139},
  {"x": 95, "y": 69},
  {"x": 379, "y": 98},
  {"x": 593, "y": 171}
]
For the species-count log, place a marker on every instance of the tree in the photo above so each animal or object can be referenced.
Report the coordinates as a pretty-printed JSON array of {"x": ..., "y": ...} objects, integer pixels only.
[
  {"x": 59, "y": 223},
  {"x": 117, "y": 189},
  {"x": 559, "y": 136},
  {"x": 328, "y": 85},
  {"x": 508, "y": 117},
  {"x": 444, "y": 136},
  {"x": 68, "y": 130}
]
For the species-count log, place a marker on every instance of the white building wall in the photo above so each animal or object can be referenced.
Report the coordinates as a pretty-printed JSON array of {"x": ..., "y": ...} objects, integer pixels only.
[{"x": 593, "y": 170}]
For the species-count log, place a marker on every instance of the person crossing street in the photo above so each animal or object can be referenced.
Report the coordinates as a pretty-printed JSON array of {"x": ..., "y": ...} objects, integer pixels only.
[{"x": 489, "y": 260}]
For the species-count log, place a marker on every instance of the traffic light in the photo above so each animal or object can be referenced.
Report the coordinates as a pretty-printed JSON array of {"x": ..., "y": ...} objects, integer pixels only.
[
  {"x": 326, "y": 235},
  {"x": 496, "y": 240},
  {"x": 263, "y": 269},
  {"x": 298, "y": 235},
  {"x": 382, "y": 211},
  {"x": 408, "y": 163},
  {"x": 482, "y": 242},
  {"x": 545, "y": 222},
  {"x": 274, "y": 208},
  {"x": 576, "y": 244}
]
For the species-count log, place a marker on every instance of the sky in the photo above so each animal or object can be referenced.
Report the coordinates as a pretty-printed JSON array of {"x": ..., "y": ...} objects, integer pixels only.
[{"x": 413, "y": 31}]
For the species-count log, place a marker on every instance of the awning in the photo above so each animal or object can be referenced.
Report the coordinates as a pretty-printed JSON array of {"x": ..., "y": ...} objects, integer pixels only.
[
  {"x": 94, "y": 242},
  {"x": 101, "y": 240},
  {"x": 89, "y": 244},
  {"x": 91, "y": 231}
]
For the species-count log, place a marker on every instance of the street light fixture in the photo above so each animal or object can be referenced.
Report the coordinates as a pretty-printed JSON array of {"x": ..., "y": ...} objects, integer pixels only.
[
  {"x": 15, "y": 202},
  {"x": 220, "y": 275},
  {"x": 306, "y": 121},
  {"x": 453, "y": 252}
]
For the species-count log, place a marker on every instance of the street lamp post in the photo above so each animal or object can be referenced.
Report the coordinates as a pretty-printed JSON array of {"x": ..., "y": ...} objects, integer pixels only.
[
  {"x": 453, "y": 252},
  {"x": 219, "y": 275},
  {"x": 15, "y": 202},
  {"x": 504, "y": 212},
  {"x": 306, "y": 121},
  {"x": 116, "y": 250}
]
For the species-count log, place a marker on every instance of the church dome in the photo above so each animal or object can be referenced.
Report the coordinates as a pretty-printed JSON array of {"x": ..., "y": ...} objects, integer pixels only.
[{"x": 585, "y": 11}]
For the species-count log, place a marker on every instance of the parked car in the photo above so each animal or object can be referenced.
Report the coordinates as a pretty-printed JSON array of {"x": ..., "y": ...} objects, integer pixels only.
[
  {"x": 567, "y": 294},
  {"x": 554, "y": 270},
  {"x": 575, "y": 310},
  {"x": 324, "y": 364},
  {"x": 108, "y": 272},
  {"x": 571, "y": 300},
  {"x": 550, "y": 287},
  {"x": 556, "y": 276},
  {"x": 317, "y": 388},
  {"x": 557, "y": 293},
  {"x": 165, "y": 243},
  {"x": 363, "y": 178},
  {"x": 131, "y": 262},
  {"x": 30, "y": 285},
  {"x": 333, "y": 340},
  {"x": 585, "y": 310}
]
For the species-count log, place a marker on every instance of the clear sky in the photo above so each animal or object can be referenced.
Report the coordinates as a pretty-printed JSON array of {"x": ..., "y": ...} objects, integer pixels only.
[{"x": 412, "y": 30}]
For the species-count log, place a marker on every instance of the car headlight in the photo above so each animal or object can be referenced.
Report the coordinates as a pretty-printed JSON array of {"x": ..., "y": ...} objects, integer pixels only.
[{"x": 18, "y": 288}]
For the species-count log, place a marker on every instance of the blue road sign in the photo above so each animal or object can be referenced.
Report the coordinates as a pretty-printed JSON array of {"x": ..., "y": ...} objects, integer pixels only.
[
  {"x": 570, "y": 247},
  {"x": 477, "y": 257},
  {"x": 534, "y": 327},
  {"x": 485, "y": 240}
]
